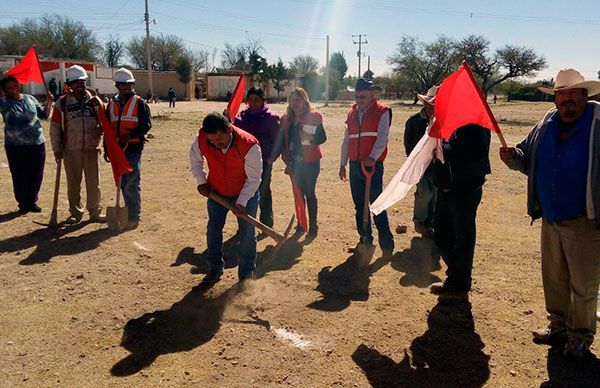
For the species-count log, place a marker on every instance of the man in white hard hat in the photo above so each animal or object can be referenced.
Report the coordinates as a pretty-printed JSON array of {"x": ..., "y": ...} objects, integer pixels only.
[
  {"x": 426, "y": 192},
  {"x": 75, "y": 138},
  {"x": 561, "y": 158},
  {"x": 130, "y": 119}
]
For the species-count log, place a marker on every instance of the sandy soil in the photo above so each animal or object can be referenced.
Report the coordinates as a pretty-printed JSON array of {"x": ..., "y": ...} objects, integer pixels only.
[{"x": 84, "y": 307}]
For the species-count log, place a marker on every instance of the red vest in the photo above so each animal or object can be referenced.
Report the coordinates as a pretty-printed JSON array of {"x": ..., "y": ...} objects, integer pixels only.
[
  {"x": 124, "y": 120},
  {"x": 310, "y": 152},
  {"x": 226, "y": 173},
  {"x": 363, "y": 137}
]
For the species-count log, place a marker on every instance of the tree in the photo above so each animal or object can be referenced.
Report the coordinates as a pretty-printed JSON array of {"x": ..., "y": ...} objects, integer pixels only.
[
  {"x": 184, "y": 69},
  {"x": 304, "y": 64},
  {"x": 237, "y": 57},
  {"x": 165, "y": 51},
  {"x": 113, "y": 51},
  {"x": 258, "y": 68},
  {"x": 507, "y": 62},
  {"x": 55, "y": 36},
  {"x": 423, "y": 63},
  {"x": 280, "y": 75},
  {"x": 337, "y": 61}
]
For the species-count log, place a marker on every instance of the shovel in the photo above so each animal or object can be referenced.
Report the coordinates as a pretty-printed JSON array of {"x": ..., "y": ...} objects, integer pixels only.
[
  {"x": 53, "y": 223},
  {"x": 117, "y": 216},
  {"x": 364, "y": 248}
]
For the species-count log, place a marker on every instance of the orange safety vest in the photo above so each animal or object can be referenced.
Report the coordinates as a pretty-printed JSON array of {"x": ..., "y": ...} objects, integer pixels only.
[
  {"x": 124, "y": 119},
  {"x": 226, "y": 172},
  {"x": 363, "y": 136}
]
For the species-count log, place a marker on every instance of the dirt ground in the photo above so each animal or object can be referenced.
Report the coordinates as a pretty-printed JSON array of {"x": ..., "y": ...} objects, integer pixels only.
[{"x": 85, "y": 307}]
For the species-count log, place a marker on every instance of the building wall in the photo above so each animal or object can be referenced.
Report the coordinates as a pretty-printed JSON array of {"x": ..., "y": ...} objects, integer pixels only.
[{"x": 161, "y": 81}]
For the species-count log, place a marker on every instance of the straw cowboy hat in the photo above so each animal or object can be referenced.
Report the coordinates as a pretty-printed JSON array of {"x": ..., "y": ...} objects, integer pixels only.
[
  {"x": 572, "y": 79},
  {"x": 430, "y": 96}
]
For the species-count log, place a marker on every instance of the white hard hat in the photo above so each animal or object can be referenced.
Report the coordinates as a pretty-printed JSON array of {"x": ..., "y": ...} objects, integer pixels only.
[
  {"x": 123, "y": 75},
  {"x": 75, "y": 73}
]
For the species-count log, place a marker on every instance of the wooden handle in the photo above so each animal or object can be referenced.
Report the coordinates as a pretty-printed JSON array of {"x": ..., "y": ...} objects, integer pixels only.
[
  {"x": 275, "y": 235},
  {"x": 57, "y": 185}
]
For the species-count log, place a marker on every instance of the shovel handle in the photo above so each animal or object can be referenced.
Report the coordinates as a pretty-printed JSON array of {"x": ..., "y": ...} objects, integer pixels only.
[{"x": 368, "y": 171}]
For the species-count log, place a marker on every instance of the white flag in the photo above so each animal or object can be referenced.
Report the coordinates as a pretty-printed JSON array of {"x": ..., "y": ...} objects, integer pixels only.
[{"x": 409, "y": 174}]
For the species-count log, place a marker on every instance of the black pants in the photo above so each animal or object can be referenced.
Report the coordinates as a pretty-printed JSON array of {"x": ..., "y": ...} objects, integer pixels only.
[
  {"x": 266, "y": 199},
  {"x": 455, "y": 233},
  {"x": 305, "y": 175},
  {"x": 26, "y": 163}
]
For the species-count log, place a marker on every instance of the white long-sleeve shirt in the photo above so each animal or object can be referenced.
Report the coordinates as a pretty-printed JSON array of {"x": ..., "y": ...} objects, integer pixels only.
[
  {"x": 383, "y": 131},
  {"x": 252, "y": 167}
]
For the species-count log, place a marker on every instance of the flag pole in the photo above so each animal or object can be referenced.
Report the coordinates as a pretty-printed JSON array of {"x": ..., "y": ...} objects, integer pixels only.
[
  {"x": 40, "y": 67},
  {"x": 485, "y": 104}
]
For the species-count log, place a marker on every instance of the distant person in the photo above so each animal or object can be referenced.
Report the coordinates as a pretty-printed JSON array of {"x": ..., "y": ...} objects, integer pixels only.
[
  {"x": 365, "y": 141},
  {"x": 149, "y": 96},
  {"x": 75, "y": 137},
  {"x": 426, "y": 193},
  {"x": 52, "y": 87},
  {"x": 262, "y": 123},
  {"x": 561, "y": 158},
  {"x": 172, "y": 98},
  {"x": 130, "y": 119},
  {"x": 304, "y": 133},
  {"x": 495, "y": 98},
  {"x": 24, "y": 141},
  {"x": 197, "y": 92},
  {"x": 234, "y": 164}
]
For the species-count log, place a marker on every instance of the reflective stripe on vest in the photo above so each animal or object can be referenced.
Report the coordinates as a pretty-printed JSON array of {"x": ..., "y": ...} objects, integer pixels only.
[{"x": 362, "y": 136}]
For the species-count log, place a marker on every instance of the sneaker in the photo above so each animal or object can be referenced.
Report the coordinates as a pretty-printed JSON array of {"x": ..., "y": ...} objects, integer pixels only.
[
  {"x": 576, "y": 348},
  {"x": 212, "y": 277},
  {"x": 312, "y": 233},
  {"x": 551, "y": 335},
  {"x": 298, "y": 232},
  {"x": 453, "y": 297},
  {"x": 35, "y": 208},
  {"x": 99, "y": 218},
  {"x": 437, "y": 288},
  {"x": 23, "y": 210},
  {"x": 248, "y": 276},
  {"x": 72, "y": 220}
]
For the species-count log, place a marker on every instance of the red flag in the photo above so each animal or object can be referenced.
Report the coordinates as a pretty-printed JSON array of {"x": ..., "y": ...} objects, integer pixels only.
[
  {"x": 118, "y": 161},
  {"x": 236, "y": 98},
  {"x": 299, "y": 205},
  {"x": 459, "y": 101},
  {"x": 28, "y": 69}
]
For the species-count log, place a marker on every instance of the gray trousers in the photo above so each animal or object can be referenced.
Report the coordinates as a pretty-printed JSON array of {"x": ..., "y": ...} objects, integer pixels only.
[{"x": 571, "y": 273}]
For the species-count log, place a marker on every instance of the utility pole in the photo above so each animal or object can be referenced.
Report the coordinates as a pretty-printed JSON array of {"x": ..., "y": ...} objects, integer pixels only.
[
  {"x": 327, "y": 73},
  {"x": 359, "y": 53},
  {"x": 148, "y": 50}
]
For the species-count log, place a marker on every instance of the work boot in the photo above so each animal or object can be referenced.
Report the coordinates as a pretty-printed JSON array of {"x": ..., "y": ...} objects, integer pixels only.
[
  {"x": 72, "y": 220},
  {"x": 438, "y": 288},
  {"x": 34, "y": 208},
  {"x": 553, "y": 334},
  {"x": 98, "y": 218},
  {"x": 576, "y": 348},
  {"x": 212, "y": 277}
]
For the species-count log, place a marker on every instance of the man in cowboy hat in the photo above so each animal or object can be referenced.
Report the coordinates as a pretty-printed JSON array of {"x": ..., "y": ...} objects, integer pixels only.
[
  {"x": 561, "y": 158},
  {"x": 426, "y": 191},
  {"x": 365, "y": 141}
]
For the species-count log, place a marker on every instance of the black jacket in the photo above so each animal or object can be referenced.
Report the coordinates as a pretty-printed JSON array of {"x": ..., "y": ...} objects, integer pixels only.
[{"x": 466, "y": 156}]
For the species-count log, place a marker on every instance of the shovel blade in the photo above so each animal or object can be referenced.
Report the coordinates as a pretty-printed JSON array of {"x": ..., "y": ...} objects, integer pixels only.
[{"x": 116, "y": 217}]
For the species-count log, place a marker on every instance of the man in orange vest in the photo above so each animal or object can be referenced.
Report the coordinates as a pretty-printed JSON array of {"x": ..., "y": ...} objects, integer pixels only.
[
  {"x": 235, "y": 167},
  {"x": 365, "y": 141},
  {"x": 130, "y": 118}
]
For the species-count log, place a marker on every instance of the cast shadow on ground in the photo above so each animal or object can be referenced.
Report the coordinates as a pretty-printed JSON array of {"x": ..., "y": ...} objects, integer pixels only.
[
  {"x": 198, "y": 262},
  {"x": 563, "y": 372},
  {"x": 347, "y": 282},
  {"x": 417, "y": 263},
  {"x": 51, "y": 242},
  {"x": 187, "y": 324},
  {"x": 9, "y": 216},
  {"x": 449, "y": 354},
  {"x": 284, "y": 259}
]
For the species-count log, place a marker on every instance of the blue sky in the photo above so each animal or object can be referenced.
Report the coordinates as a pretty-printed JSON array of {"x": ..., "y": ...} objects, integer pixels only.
[{"x": 564, "y": 32}]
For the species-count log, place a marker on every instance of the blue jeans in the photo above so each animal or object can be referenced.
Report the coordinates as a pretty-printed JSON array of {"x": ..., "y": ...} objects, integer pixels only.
[
  {"x": 425, "y": 201},
  {"x": 217, "y": 215},
  {"x": 130, "y": 185},
  {"x": 357, "y": 186}
]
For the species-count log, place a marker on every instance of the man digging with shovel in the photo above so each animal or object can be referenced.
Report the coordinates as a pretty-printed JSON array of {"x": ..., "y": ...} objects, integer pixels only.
[
  {"x": 365, "y": 145},
  {"x": 235, "y": 167}
]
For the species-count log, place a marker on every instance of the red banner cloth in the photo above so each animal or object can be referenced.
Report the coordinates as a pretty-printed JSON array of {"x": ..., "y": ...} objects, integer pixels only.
[
  {"x": 28, "y": 69},
  {"x": 299, "y": 205},
  {"x": 459, "y": 101},
  {"x": 118, "y": 161},
  {"x": 236, "y": 98}
]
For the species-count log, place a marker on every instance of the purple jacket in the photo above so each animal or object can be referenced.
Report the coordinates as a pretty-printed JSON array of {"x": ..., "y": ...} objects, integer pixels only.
[{"x": 265, "y": 126}]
